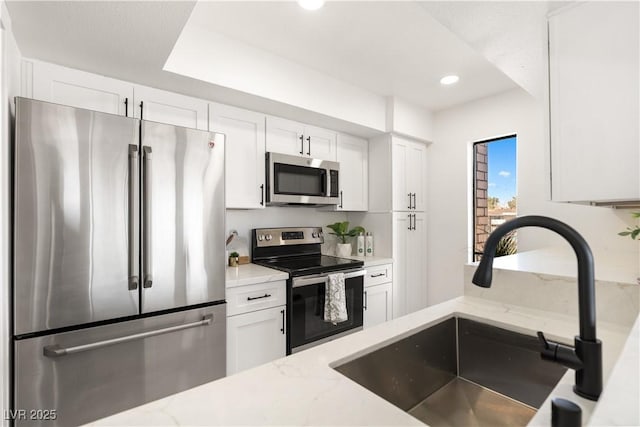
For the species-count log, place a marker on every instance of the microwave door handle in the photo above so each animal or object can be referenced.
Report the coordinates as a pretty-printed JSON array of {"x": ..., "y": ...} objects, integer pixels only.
[{"x": 146, "y": 230}]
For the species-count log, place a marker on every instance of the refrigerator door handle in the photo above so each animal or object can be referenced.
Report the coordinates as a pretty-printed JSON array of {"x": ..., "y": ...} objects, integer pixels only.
[
  {"x": 57, "y": 351},
  {"x": 133, "y": 218},
  {"x": 146, "y": 230}
]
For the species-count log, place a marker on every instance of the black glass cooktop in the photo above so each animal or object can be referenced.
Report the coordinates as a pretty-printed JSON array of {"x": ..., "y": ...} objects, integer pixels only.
[{"x": 310, "y": 264}]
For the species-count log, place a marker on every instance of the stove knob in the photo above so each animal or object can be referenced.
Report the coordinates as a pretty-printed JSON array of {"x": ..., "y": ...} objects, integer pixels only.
[
  {"x": 268, "y": 237},
  {"x": 260, "y": 237},
  {"x": 314, "y": 234}
]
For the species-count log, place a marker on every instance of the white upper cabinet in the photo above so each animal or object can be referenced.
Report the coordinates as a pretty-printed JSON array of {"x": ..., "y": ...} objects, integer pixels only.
[
  {"x": 594, "y": 53},
  {"x": 61, "y": 85},
  {"x": 296, "y": 139},
  {"x": 244, "y": 154},
  {"x": 171, "y": 108},
  {"x": 353, "y": 156},
  {"x": 408, "y": 175}
]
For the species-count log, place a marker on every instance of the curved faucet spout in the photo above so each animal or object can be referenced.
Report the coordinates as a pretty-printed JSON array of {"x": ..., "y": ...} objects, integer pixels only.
[
  {"x": 586, "y": 287},
  {"x": 586, "y": 357}
]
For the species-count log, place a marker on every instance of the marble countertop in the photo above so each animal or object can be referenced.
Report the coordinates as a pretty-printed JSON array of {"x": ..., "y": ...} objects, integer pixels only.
[
  {"x": 618, "y": 267},
  {"x": 303, "y": 389},
  {"x": 249, "y": 274},
  {"x": 371, "y": 261}
]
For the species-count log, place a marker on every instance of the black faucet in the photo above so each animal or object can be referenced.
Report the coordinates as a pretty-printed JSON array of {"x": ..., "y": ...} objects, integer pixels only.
[{"x": 586, "y": 355}]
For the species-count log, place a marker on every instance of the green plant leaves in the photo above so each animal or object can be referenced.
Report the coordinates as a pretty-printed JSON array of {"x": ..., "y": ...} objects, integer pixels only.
[{"x": 340, "y": 230}]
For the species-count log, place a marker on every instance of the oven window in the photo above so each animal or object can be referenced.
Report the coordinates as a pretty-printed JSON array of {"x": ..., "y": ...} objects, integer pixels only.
[
  {"x": 299, "y": 180},
  {"x": 307, "y": 313}
]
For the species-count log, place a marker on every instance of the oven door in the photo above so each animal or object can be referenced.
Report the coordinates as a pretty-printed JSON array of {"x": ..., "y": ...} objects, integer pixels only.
[
  {"x": 307, "y": 326},
  {"x": 299, "y": 180}
]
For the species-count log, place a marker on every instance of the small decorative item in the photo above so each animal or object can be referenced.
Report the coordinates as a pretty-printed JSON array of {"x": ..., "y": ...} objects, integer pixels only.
[
  {"x": 343, "y": 249},
  {"x": 233, "y": 259},
  {"x": 632, "y": 232}
]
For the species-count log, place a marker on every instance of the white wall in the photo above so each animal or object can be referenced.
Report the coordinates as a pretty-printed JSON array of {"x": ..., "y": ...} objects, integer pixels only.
[
  {"x": 243, "y": 221},
  {"x": 410, "y": 120},
  {"x": 10, "y": 86},
  {"x": 456, "y": 129}
]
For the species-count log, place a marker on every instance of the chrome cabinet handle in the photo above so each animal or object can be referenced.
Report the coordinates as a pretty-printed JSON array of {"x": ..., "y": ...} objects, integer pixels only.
[
  {"x": 133, "y": 218},
  {"x": 301, "y": 144},
  {"x": 309, "y": 141},
  {"x": 260, "y": 297},
  {"x": 146, "y": 229},
  {"x": 57, "y": 351}
]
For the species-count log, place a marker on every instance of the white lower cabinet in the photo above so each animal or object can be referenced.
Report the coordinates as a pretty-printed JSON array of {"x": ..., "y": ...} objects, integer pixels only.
[
  {"x": 255, "y": 338},
  {"x": 410, "y": 261},
  {"x": 256, "y": 332},
  {"x": 377, "y": 304},
  {"x": 378, "y": 295}
]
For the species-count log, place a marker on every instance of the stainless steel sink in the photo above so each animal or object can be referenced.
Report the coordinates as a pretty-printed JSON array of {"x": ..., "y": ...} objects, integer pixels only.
[{"x": 460, "y": 373}]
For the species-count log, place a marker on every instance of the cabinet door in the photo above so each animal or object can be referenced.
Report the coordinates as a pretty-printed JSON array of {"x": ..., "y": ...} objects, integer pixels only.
[
  {"x": 66, "y": 86},
  {"x": 400, "y": 152},
  {"x": 353, "y": 156},
  {"x": 400, "y": 262},
  {"x": 416, "y": 273},
  {"x": 415, "y": 174},
  {"x": 244, "y": 153},
  {"x": 320, "y": 143},
  {"x": 255, "y": 338},
  {"x": 285, "y": 136},
  {"x": 594, "y": 52},
  {"x": 166, "y": 107},
  {"x": 377, "y": 304}
]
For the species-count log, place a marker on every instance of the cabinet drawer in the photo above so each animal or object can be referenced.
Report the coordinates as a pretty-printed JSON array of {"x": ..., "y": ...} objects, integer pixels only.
[
  {"x": 378, "y": 274},
  {"x": 243, "y": 299}
]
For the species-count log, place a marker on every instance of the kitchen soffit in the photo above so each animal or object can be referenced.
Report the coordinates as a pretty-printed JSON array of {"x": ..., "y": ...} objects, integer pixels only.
[{"x": 386, "y": 48}]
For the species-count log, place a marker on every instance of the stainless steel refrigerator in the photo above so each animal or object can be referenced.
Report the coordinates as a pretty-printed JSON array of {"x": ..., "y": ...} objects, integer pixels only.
[{"x": 118, "y": 262}]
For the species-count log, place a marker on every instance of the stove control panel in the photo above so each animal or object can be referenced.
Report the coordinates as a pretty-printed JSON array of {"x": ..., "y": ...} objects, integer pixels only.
[{"x": 264, "y": 237}]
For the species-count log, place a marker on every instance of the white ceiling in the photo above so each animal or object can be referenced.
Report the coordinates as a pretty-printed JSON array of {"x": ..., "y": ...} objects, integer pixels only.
[{"x": 388, "y": 48}]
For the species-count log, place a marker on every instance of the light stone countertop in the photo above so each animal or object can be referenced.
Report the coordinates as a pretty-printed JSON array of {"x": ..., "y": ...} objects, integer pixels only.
[
  {"x": 371, "y": 261},
  {"x": 610, "y": 266},
  {"x": 249, "y": 274},
  {"x": 303, "y": 389}
]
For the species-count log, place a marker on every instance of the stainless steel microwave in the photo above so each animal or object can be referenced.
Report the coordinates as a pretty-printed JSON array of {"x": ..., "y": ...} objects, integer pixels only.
[{"x": 294, "y": 180}]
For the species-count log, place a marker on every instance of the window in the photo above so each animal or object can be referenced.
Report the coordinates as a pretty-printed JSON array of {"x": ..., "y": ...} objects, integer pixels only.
[{"x": 494, "y": 192}]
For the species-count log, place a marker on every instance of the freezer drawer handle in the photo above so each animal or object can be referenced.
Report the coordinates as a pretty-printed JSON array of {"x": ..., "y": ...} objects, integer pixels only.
[{"x": 57, "y": 351}]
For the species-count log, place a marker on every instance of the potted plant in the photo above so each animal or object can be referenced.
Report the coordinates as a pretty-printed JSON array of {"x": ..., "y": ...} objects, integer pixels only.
[
  {"x": 632, "y": 232},
  {"x": 233, "y": 259},
  {"x": 341, "y": 229}
]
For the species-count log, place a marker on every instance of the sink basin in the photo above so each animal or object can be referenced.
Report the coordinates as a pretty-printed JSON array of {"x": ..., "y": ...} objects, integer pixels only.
[{"x": 460, "y": 373}]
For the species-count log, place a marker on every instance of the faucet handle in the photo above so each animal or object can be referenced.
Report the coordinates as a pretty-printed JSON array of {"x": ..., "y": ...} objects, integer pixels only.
[
  {"x": 543, "y": 340},
  {"x": 560, "y": 353}
]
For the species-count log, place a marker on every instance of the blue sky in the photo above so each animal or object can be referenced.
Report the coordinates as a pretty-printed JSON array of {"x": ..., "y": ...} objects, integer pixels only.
[{"x": 502, "y": 169}]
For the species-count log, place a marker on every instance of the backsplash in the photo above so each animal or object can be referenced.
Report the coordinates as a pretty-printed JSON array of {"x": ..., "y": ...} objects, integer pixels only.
[{"x": 243, "y": 221}]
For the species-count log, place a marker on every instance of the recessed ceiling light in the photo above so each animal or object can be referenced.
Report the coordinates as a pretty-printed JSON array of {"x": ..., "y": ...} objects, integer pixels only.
[
  {"x": 311, "y": 4},
  {"x": 449, "y": 80}
]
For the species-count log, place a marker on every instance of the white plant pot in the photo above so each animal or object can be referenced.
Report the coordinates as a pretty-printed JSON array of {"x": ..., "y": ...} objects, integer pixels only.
[{"x": 343, "y": 249}]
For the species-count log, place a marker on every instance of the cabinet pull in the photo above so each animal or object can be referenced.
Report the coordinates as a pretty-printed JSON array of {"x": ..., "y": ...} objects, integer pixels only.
[
  {"x": 414, "y": 200},
  {"x": 282, "y": 329},
  {"x": 365, "y": 300},
  {"x": 141, "y": 109},
  {"x": 260, "y": 297},
  {"x": 340, "y": 206},
  {"x": 414, "y": 221},
  {"x": 262, "y": 194},
  {"x": 301, "y": 144},
  {"x": 309, "y": 141},
  {"x": 409, "y": 200},
  {"x": 378, "y": 275},
  {"x": 409, "y": 222},
  {"x": 126, "y": 107}
]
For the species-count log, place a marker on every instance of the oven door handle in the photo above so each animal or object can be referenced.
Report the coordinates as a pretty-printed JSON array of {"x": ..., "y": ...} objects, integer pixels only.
[{"x": 321, "y": 278}]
